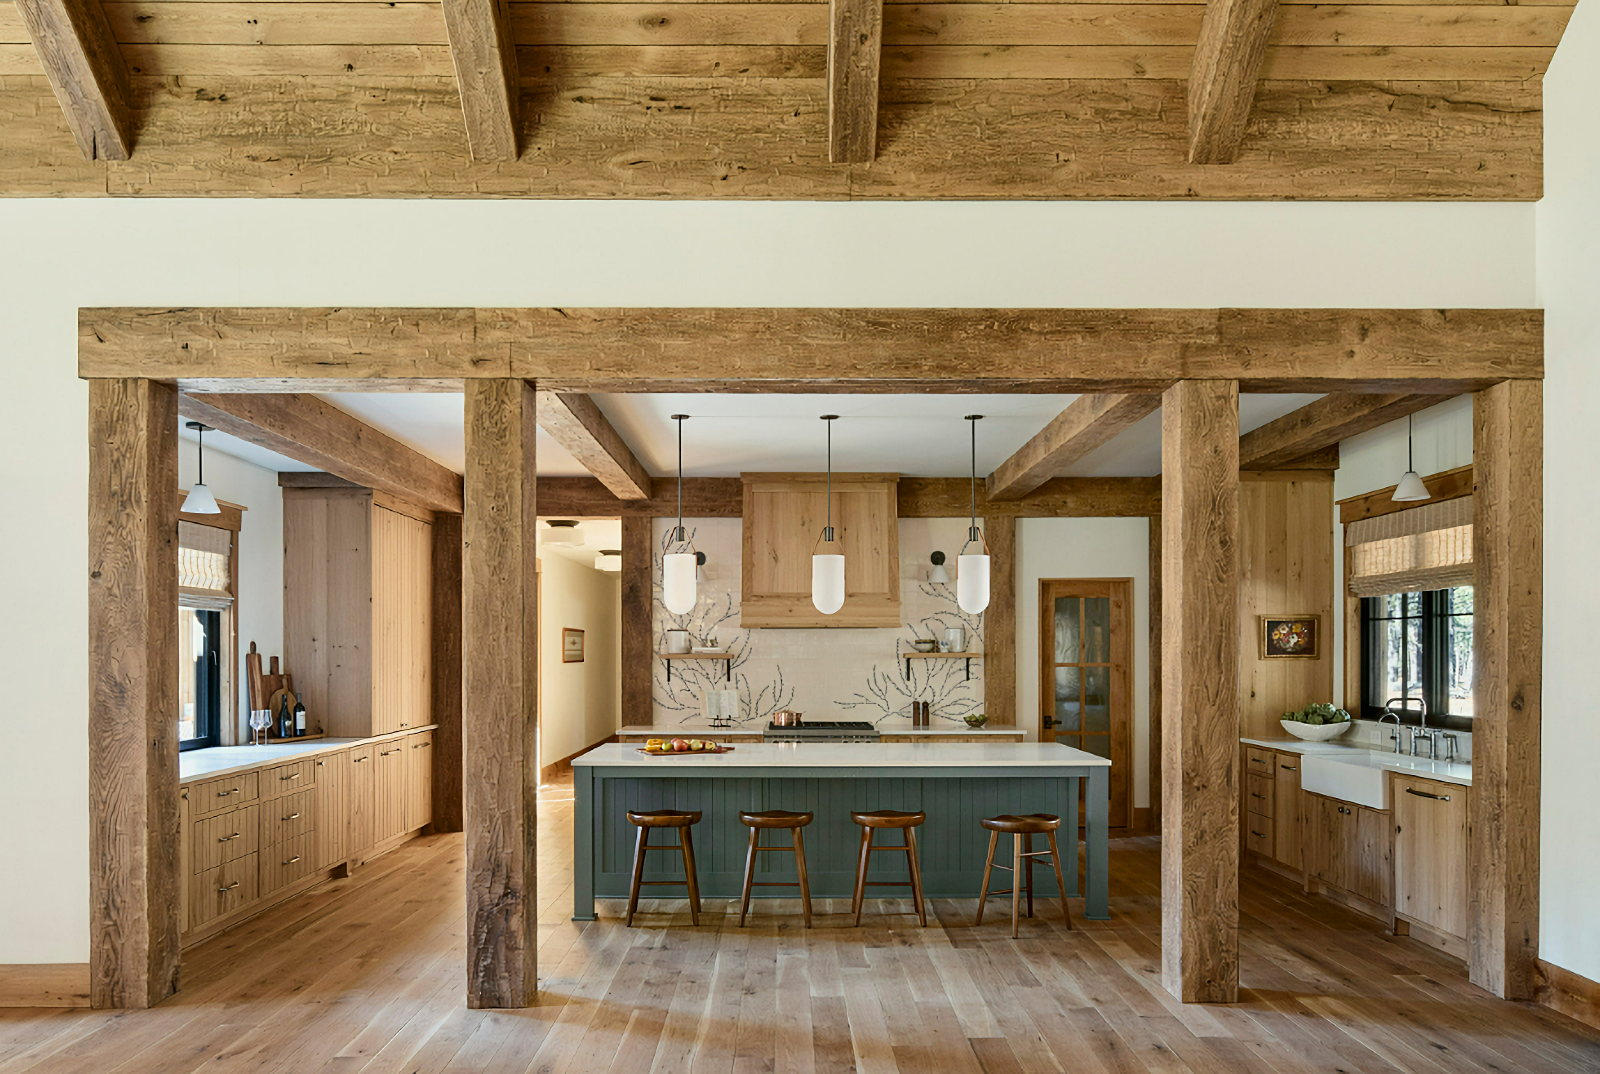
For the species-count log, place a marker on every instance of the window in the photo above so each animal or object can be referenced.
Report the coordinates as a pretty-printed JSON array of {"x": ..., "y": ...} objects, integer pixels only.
[
  {"x": 1419, "y": 645},
  {"x": 199, "y": 677}
]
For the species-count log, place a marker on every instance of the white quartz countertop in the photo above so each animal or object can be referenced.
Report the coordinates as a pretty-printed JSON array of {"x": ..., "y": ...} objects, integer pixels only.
[
  {"x": 1456, "y": 772},
  {"x": 868, "y": 755},
  {"x": 692, "y": 728},
  {"x": 226, "y": 760}
]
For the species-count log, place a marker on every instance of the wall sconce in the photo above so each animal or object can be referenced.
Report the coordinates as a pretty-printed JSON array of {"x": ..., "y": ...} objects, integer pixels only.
[
  {"x": 938, "y": 576},
  {"x": 699, "y": 566}
]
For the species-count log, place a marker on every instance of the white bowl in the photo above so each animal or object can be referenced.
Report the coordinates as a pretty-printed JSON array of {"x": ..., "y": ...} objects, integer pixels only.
[{"x": 1316, "y": 732}]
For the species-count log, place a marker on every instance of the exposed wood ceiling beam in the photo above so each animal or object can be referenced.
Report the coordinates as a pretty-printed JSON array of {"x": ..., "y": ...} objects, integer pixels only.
[
  {"x": 87, "y": 72},
  {"x": 1323, "y": 423},
  {"x": 575, "y": 422},
  {"x": 1090, "y": 421},
  {"x": 485, "y": 59},
  {"x": 855, "y": 52},
  {"x": 815, "y": 350},
  {"x": 1222, "y": 82},
  {"x": 308, "y": 430}
]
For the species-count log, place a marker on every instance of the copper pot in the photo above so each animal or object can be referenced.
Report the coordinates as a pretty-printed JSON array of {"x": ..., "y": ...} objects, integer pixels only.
[{"x": 786, "y": 718}]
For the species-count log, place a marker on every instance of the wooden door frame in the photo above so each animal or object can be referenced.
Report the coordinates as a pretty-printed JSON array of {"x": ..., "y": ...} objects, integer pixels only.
[{"x": 143, "y": 353}]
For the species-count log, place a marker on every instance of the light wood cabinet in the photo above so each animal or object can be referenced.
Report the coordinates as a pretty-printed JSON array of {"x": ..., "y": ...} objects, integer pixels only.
[
  {"x": 363, "y": 801},
  {"x": 1287, "y": 838},
  {"x": 783, "y": 516},
  {"x": 333, "y": 809},
  {"x": 1350, "y": 847},
  {"x": 419, "y": 781},
  {"x": 357, "y": 609},
  {"x": 1430, "y": 853},
  {"x": 393, "y": 767}
]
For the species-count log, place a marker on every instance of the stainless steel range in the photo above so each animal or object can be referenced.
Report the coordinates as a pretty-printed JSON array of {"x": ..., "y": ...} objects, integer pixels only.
[{"x": 823, "y": 731}]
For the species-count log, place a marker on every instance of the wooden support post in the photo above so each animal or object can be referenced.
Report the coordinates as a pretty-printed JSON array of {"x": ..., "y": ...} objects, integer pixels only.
[
  {"x": 447, "y": 802},
  {"x": 638, "y": 657},
  {"x": 80, "y": 58},
  {"x": 1508, "y": 557},
  {"x": 855, "y": 51},
  {"x": 1200, "y": 691},
  {"x": 499, "y": 676},
  {"x": 1155, "y": 672},
  {"x": 1000, "y": 623},
  {"x": 1222, "y": 81},
  {"x": 133, "y": 693}
]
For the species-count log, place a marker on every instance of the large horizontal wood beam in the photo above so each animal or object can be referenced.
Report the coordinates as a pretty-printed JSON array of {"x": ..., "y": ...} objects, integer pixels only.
[
  {"x": 816, "y": 350},
  {"x": 485, "y": 60},
  {"x": 1090, "y": 421},
  {"x": 1222, "y": 80},
  {"x": 575, "y": 422},
  {"x": 1324, "y": 423},
  {"x": 308, "y": 430},
  {"x": 855, "y": 51},
  {"x": 86, "y": 71}
]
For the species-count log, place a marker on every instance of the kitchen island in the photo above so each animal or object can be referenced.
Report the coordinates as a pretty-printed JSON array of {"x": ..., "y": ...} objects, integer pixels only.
[{"x": 955, "y": 784}]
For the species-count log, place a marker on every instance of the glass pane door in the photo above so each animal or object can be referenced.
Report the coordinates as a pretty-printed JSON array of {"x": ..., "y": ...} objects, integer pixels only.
[{"x": 1085, "y": 660}]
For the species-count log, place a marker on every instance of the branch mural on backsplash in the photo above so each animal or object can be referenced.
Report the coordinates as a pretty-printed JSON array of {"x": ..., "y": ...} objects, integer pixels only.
[{"x": 941, "y": 683}]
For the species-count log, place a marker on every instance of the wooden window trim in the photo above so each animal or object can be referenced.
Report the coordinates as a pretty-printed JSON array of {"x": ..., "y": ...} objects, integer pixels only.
[{"x": 231, "y": 518}]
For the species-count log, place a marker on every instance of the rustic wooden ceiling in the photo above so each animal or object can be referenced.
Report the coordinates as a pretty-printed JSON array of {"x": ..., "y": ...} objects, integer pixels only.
[{"x": 1032, "y": 100}]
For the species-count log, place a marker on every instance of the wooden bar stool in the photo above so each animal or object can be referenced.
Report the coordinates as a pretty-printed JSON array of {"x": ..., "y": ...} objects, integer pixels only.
[
  {"x": 1022, "y": 830},
  {"x": 664, "y": 818},
  {"x": 889, "y": 818},
  {"x": 776, "y": 818}
]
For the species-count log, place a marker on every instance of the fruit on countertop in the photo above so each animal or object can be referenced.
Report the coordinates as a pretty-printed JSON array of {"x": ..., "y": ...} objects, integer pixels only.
[{"x": 680, "y": 746}]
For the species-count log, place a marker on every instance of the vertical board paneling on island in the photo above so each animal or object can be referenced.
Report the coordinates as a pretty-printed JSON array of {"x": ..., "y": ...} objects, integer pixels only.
[
  {"x": 638, "y": 657},
  {"x": 1507, "y": 553},
  {"x": 500, "y": 690},
  {"x": 1000, "y": 624},
  {"x": 1200, "y": 669},
  {"x": 447, "y": 673},
  {"x": 133, "y": 738}
]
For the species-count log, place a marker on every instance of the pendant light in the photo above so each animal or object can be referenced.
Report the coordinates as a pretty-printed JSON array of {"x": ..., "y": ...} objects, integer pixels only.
[
  {"x": 200, "y": 501},
  {"x": 1411, "y": 487},
  {"x": 827, "y": 570},
  {"x": 972, "y": 572},
  {"x": 677, "y": 568}
]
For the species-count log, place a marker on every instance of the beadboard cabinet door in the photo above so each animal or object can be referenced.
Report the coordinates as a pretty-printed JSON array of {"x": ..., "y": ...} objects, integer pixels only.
[
  {"x": 363, "y": 801},
  {"x": 333, "y": 809},
  {"x": 393, "y": 768},
  {"x": 419, "y": 780}
]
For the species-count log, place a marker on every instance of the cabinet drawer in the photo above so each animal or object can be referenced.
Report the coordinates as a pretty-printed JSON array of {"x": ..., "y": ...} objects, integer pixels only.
[
  {"x": 288, "y": 817},
  {"x": 222, "y": 890},
  {"x": 1258, "y": 794},
  {"x": 1258, "y": 835},
  {"x": 284, "y": 863},
  {"x": 1258, "y": 761},
  {"x": 288, "y": 778},
  {"x": 223, "y": 838},
  {"x": 215, "y": 795}
]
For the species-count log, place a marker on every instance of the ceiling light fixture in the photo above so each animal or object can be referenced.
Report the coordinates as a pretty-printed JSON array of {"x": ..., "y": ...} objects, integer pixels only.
[
  {"x": 1411, "y": 488},
  {"x": 972, "y": 572},
  {"x": 564, "y": 532},
  {"x": 200, "y": 501},
  {"x": 938, "y": 576},
  {"x": 609, "y": 559},
  {"x": 677, "y": 568},
  {"x": 827, "y": 569}
]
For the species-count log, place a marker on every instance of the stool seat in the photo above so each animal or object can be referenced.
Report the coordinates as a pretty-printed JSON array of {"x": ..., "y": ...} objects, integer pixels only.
[
  {"x": 663, "y": 818},
  {"x": 889, "y": 818},
  {"x": 775, "y": 818},
  {"x": 1030, "y": 824}
]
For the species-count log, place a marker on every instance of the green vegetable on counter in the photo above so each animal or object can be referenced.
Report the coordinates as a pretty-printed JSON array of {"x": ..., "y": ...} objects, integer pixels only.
[{"x": 1318, "y": 714}]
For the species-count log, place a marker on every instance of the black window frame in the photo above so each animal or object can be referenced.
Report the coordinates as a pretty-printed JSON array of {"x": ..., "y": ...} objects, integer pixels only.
[
  {"x": 1435, "y": 616},
  {"x": 208, "y": 692}
]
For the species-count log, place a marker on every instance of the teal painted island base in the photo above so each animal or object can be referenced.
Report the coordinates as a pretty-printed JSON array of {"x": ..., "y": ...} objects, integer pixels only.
[{"x": 956, "y": 785}]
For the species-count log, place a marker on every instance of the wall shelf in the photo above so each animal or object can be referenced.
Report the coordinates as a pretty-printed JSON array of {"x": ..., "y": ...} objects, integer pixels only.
[
  {"x": 726, "y": 658},
  {"x": 968, "y": 657}
]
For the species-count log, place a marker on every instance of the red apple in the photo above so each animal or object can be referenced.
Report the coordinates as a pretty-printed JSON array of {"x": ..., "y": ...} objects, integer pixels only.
[{"x": 680, "y": 746}]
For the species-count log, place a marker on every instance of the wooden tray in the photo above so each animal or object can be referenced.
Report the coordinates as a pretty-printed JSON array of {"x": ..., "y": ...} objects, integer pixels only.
[{"x": 721, "y": 748}]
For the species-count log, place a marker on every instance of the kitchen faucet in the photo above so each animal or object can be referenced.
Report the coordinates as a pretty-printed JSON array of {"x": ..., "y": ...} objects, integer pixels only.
[
  {"x": 1394, "y": 736},
  {"x": 1393, "y": 706}
]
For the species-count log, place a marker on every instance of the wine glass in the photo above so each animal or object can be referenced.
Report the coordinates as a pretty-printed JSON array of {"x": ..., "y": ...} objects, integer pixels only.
[{"x": 259, "y": 719}]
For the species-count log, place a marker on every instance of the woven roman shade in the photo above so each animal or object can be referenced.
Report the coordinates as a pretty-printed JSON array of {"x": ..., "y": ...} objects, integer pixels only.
[
  {"x": 1425, "y": 547},
  {"x": 205, "y": 575}
]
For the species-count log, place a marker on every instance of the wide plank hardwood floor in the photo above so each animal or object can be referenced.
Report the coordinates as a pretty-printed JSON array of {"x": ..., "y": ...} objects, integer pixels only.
[{"x": 366, "y": 975}]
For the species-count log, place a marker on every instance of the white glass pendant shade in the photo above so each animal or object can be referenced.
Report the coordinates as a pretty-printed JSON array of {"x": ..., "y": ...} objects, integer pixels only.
[
  {"x": 677, "y": 582},
  {"x": 1411, "y": 488},
  {"x": 200, "y": 502},
  {"x": 827, "y": 583},
  {"x": 939, "y": 576},
  {"x": 972, "y": 583}
]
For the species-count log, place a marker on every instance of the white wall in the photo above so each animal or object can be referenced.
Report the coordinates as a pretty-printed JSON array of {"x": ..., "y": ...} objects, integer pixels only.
[
  {"x": 577, "y": 701},
  {"x": 1085, "y": 548},
  {"x": 1569, "y": 266},
  {"x": 293, "y": 252}
]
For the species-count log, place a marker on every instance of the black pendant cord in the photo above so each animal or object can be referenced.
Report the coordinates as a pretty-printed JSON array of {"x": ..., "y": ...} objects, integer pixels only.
[
  {"x": 973, "y": 533},
  {"x": 678, "y": 535},
  {"x": 1411, "y": 465},
  {"x": 200, "y": 442},
  {"x": 827, "y": 531}
]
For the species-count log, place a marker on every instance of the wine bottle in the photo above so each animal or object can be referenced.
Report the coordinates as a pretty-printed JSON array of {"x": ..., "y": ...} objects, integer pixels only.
[
  {"x": 299, "y": 720},
  {"x": 285, "y": 721}
]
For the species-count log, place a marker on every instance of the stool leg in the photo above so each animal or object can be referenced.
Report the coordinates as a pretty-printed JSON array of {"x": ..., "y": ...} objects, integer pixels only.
[
  {"x": 638, "y": 873},
  {"x": 916, "y": 876},
  {"x": 1027, "y": 848},
  {"x": 1016, "y": 882},
  {"x": 1061, "y": 885},
  {"x": 805, "y": 881},
  {"x": 749, "y": 874},
  {"x": 694, "y": 881},
  {"x": 861, "y": 872},
  {"x": 988, "y": 866}
]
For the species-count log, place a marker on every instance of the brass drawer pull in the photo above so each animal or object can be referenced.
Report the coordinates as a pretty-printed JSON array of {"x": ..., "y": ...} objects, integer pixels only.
[
  {"x": 225, "y": 838},
  {"x": 229, "y": 888},
  {"x": 292, "y": 816},
  {"x": 292, "y": 775},
  {"x": 1425, "y": 794},
  {"x": 292, "y": 860},
  {"x": 358, "y": 760}
]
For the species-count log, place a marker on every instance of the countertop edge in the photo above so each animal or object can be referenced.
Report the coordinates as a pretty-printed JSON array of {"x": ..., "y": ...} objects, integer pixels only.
[
  {"x": 290, "y": 751},
  {"x": 1307, "y": 749}
]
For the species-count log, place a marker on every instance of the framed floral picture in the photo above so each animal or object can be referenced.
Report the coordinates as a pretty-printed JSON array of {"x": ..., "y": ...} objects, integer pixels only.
[
  {"x": 571, "y": 646},
  {"x": 1290, "y": 637}
]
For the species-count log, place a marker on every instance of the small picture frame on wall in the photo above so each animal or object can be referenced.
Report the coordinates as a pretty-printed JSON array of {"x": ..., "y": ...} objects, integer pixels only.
[
  {"x": 1290, "y": 637},
  {"x": 571, "y": 646}
]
